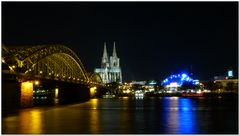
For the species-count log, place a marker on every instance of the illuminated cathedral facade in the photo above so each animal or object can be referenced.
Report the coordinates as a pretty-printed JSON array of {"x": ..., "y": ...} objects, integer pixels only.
[{"x": 110, "y": 70}]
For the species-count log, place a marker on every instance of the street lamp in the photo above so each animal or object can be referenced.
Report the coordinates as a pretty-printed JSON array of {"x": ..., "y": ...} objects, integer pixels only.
[{"x": 36, "y": 83}]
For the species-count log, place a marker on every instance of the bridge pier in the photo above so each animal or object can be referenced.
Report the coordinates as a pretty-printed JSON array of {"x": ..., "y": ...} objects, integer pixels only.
[
  {"x": 26, "y": 97},
  {"x": 10, "y": 94},
  {"x": 19, "y": 92},
  {"x": 93, "y": 91}
]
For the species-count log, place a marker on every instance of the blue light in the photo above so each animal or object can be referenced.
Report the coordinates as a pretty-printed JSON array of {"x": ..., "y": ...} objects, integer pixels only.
[
  {"x": 184, "y": 75},
  {"x": 187, "y": 120},
  {"x": 230, "y": 73},
  {"x": 179, "y": 78}
]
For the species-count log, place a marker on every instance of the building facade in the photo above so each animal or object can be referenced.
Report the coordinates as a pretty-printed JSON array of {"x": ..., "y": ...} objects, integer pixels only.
[{"x": 110, "y": 70}]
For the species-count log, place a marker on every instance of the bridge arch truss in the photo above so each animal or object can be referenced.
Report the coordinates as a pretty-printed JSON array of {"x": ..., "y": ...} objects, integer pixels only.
[{"x": 46, "y": 61}]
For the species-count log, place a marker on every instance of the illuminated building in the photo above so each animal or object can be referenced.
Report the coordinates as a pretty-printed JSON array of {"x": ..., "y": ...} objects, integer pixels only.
[
  {"x": 110, "y": 70},
  {"x": 228, "y": 81},
  {"x": 138, "y": 83},
  {"x": 230, "y": 73},
  {"x": 179, "y": 79},
  {"x": 223, "y": 77},
  {"x": 174, "y": 81}
]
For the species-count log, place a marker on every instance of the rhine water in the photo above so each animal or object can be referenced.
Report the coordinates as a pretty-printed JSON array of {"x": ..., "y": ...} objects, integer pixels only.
[{"x": 154, "y": 115}]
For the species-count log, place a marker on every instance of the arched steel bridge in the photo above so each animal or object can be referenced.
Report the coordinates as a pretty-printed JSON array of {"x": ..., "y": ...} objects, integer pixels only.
[{"x": 55, "y": 62}]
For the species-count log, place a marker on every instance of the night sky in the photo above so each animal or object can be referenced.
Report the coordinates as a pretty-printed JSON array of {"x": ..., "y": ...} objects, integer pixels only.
[{"x": 153, "y": 40}]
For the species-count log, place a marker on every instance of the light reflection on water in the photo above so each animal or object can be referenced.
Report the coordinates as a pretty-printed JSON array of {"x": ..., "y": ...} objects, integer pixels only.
[
  {"x": 166, "y": 115},
  {"x": 187, "y": 121},
  {"x": 28, "y": 121},
  {"x": 170, "y": 115},
  {"x": 94, "y": 117},
  {"x": 180, "y": 115}
]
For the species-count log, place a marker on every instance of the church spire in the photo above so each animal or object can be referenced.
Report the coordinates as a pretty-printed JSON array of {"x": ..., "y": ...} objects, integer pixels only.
[
  {"x": 114, "y": 50},
  {"x": 105, "y": 56},
  {"x": 105, "y": 51}
]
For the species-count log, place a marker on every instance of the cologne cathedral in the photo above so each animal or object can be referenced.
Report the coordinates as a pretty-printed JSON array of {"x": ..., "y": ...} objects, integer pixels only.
[{"x": 110, "y": 70}]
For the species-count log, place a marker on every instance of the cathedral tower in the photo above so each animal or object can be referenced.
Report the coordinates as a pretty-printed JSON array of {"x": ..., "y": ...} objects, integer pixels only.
[
  {"x": 114, "y": 60},
  {"x": 105, "y": 61},
  {"x": 110, "y": 71}
]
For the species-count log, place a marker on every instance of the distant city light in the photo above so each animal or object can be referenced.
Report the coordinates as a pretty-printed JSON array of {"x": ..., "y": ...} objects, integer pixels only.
[
  {"x": 36, "y": 82},
  {"x": 56, "y": 92},
  {"x": 184, "y": 75},
  {"x": 153, "y": 83},
  {"x": 174, "y": 84},
  {"x": 230, "y": 73}
]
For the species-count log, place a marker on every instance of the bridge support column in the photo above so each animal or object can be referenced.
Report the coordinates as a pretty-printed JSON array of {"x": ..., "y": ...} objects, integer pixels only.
[
  {"x": 93, "y": 91},
  {"x": 56, "y": 92},
  {"x": 26, "y": 94}
]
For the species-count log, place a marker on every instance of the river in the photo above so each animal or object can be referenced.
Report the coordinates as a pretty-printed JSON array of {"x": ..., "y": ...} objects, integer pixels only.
[{"x": 155, "y": 115}]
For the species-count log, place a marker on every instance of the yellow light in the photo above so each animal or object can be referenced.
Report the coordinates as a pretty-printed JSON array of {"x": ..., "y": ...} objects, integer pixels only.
[
  {"x": 94, "y": 103},
  {"x": 92, "y": 91},
  {"x": 128, "y": 91},
  {"x": 94, "y": 118},
  {"x": 3, "y": 61},
  {"x": 36, "y": 82},
  {"x": 40, "y": 72},
  {"x": 13, "y": 66},
  {"x": 26, "y": 94},
  {"x": 10, "y": 68},
  {"x": 56, "y": 93},
  {"x": 31, "y": 119}
]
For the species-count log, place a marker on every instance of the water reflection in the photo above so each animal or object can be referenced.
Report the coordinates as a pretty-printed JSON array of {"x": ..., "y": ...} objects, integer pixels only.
[
  {"x": 126, "y": 124},
  {"x": 28, "y": 122},
  {"x": 187, "y": 121},
  {"x": 30, "y": 119},
  {"x": 166, "y": 115},
  {"x": 179, "y": 115},
  {"x": 171, "y": 114},
  {"x": 94, "y": 117},
  {"x": 94, "y": 103}
]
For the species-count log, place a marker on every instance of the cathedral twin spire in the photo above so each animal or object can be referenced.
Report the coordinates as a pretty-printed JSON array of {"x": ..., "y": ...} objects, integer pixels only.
[
  {"x": 110, "y": 70},
  {"x": 105, "y": 59},
  {"x": 114, "y": 50},
  {"x": 105, "y": 62}
]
